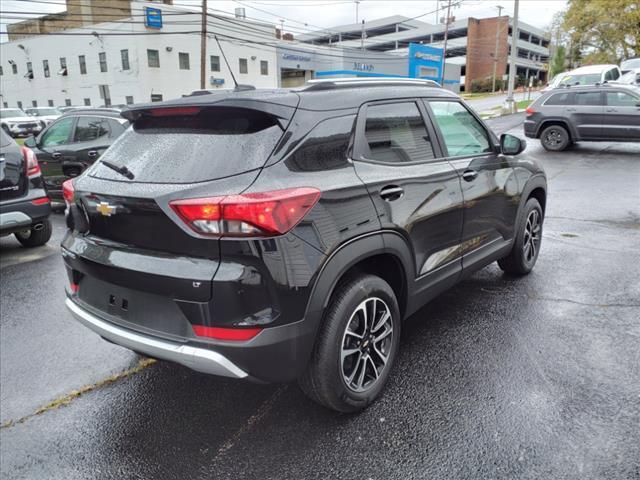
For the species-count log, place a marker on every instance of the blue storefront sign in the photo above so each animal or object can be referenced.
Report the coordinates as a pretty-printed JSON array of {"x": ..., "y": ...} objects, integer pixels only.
[
  {"x": 425, "y": 62},
  {"x": 152, "y": 17}
]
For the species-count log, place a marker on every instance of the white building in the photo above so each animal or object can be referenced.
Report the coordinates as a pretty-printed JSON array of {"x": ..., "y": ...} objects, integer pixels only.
[{"x": 92, "y": 66}]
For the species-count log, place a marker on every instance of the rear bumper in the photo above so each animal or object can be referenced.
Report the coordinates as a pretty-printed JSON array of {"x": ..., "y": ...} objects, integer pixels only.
[
  {"x": 530, "y": 128},
  {"x": 199, "y": 359},
  {"x": 21, "y": 214}
]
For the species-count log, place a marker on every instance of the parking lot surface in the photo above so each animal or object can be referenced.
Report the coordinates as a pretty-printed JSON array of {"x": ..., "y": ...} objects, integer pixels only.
[{"x": 528, "y": 378}]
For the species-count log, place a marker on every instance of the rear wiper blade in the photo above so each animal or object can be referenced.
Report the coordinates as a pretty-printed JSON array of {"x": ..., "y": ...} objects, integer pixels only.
[{"x": 121, "y": 169}]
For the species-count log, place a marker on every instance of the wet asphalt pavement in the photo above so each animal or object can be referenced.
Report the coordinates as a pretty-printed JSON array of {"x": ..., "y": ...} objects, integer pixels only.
[{"x": 502, "y": 378}]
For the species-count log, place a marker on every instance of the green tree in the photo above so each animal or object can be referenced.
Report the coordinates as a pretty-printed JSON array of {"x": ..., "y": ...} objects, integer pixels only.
[
  {"x": 602, "y": 30},
  {"x": 558, "y": 61}
]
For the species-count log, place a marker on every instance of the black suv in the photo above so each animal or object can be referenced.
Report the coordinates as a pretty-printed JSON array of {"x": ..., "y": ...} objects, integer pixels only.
[
  {"x": 24, "y": 204},
  {"x": 276, "y": 235},
  {"x": 73, "y": 142},
  {"x": 598, "y": 113}
]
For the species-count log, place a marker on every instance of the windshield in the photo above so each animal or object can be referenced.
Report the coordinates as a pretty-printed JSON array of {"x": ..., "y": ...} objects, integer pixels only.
[
  {"x": 11, "y": 112},
  {"x": 631, "y": 63},
  {"x": 215, "y": 143},
  {"x": 584, "y": 79},
  {"x": 39, "y": 112},
  {"x": 629, "y": 77}
]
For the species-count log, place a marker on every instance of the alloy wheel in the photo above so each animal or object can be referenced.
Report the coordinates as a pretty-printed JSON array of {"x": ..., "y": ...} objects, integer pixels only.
[
  {"x": 553, "y": 138},
  {"x": 366, "y": 344},
  {"x": 532, "y": 236}
]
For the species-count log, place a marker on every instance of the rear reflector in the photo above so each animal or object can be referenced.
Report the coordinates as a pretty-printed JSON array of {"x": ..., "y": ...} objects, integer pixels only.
[
  {"x": 41, "y": 201},
  {"x": 68, "y": 191},
  {"x": 30, "y": 161},
  {"x": 174, "y": 111},
  {"x": 248, "y": 215},
  {"x": 236, "y": 334},
  {"x": 530, "y": 110},
  {"x": 74, "y": 287}
]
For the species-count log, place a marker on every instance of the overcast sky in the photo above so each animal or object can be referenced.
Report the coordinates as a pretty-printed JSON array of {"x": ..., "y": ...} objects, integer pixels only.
[{"x": 303, "y": 15}]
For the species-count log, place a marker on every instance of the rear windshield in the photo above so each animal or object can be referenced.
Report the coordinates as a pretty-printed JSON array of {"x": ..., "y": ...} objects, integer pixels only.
[
  {"x": 5, "y": 139},
  {"x": 215, "y": 143}
]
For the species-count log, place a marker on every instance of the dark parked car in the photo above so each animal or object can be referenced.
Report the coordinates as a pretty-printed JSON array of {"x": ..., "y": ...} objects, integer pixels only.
[
  {"x": 24, "y": 204},
  {"x": 73, "y": 142},
  {"x": 276, "y": 235},
  {"x": 601, "y": 113}
]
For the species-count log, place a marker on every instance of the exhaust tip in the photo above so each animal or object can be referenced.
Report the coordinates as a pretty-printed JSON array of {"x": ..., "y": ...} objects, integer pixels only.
[{"x": 38, "y": 226}]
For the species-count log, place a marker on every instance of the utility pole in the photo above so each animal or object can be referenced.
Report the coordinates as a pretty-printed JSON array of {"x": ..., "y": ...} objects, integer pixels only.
[
  {"x": 357, "y": 2},
  {"x": 495, "y": 55},
  {"x": 203, "y": 46},
  {"x": 362, "y": 37},
  {"x": 514, "y": 55},
  {"x": 446, "y": 36}
]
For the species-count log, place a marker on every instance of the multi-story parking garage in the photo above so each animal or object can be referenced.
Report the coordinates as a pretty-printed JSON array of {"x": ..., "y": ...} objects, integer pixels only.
[{"x": 471, "y": 43}]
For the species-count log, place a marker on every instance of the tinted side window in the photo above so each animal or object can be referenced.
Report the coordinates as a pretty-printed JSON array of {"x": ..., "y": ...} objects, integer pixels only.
[
  {"x": 463, "y": 134},
  {"x": 620, "y": 99},
  {"x": 558, "y": 99},
  {"x": 58, "y": 133},
  {"x": 587, "y": 98},
  {"x": 91, "y": 128},
  {"x": 396, "y": 133},
  {"x": 325, "y": 148},
  {"x": 116, "y": 127}
]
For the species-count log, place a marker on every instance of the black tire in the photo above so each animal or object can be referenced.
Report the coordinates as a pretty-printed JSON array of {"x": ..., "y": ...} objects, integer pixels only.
[
  {"x": 555, "y": 138},
  {"x": 35, "y": 238},
  {"x": 324, "y": 380},
  {"x": 521, "y": 260}
]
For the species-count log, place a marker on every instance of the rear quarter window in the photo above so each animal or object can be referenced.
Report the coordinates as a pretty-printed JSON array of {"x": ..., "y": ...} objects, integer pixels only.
[
  {"x": 215, "y": 143},
  {"x": 558, "y": 99}
]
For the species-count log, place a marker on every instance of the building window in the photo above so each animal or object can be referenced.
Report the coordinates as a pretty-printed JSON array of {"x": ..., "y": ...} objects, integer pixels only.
[
  {"x": 153, "y": 58},
  {"x": 50, "y": 103},
  {"x": 264, "y": 67},
  {"x": 45, "y": 66},
  {"x": 5, "y": 105},
  {"x": 63, "y": 66},
  {"x": 87, "y": 102},
  {"x": 102, "y": 57},
  {"x": 156, "y": 97},
  {"x": 124, "y": 55},
  {"x": 243, "y": 65},
  {"x": 215, "y": 63},
  {"x": 20, "y": 105},
  {"x": 29, "y": 74},
  {"x": 34, "y": 103},
  {"x": 1, "y": 71},
  {"x": 129, "y": 100},
  {"x": 67, "y": 102},
  {"x": 183, "y": 59},
  {"x": 14, "y": 68},
  {"x": 105, "y": 95},
  {"x": 83, "y": 64}
]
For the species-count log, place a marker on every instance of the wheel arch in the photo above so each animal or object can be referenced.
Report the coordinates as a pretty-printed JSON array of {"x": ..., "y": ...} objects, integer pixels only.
[{"x": 560, "y": 122}]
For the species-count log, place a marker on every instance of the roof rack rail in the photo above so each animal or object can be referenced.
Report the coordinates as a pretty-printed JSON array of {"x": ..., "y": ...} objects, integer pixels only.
[{"x": 335, "y": 83}]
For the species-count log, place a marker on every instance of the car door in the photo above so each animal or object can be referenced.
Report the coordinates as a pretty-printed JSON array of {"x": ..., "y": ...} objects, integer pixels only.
[
  {"x": 489, "y": 186},
  {"x": 92, "y": 136},
  {"x": 621, "y": 116},
  {"x": 586, "y": 114},
  {"x": 416, "y": 192},
  {"x": 53, "y": 149}
]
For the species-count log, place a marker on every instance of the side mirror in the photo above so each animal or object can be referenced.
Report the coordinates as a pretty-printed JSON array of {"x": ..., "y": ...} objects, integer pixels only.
[
  {"x": 511, "y": 145},
  {"x": 30, "y": 142}
]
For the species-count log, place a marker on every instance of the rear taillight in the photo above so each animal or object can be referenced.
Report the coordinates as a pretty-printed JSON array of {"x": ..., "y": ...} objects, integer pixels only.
[
  {"x": 68, "y": 191},
  {"x": 41, "y": 201},
  {"x": 30, "y": 161},
  {"x": 174, "y": 111},
  {"x": 247, "y": 215},
  {"x": 530, "y": 111},
  {"x": 232, "y": 334}
]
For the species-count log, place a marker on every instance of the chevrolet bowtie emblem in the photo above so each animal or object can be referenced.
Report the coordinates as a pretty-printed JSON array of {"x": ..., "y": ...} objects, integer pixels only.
[{"x": 105, "y": 209}]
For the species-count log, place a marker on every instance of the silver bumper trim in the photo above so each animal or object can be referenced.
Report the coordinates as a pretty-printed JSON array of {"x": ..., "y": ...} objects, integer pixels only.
[
  {"x": 14, "y": 219},
  {"x": 199, "y": 359}
]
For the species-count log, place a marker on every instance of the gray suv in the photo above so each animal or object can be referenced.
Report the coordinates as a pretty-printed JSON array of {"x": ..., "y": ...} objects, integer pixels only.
[{"x": 596, "y": 113}]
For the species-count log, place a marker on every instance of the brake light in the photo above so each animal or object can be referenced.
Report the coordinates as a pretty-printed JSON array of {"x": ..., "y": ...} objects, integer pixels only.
[
  {"x": 249, "y": 214},
  {"x": 74, "y": 287},
  {"x": 31, "y": 161},
  {"x": 530, "y": 111},
  {"x": 174, "y": 111},
  {"x": 234, "y": 334},
  {"x": 41, "y": 201},
  {"x": 68, "y": 191}
]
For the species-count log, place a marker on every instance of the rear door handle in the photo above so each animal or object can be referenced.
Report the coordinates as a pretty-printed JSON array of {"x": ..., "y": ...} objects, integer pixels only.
[
  {"x": 56, "y": 155},
  {"x": 391, "y": 192},
  {"x": 571, "y": 109},
  {"x": 92, "y": 153},
  {"x": 611, "y": 110},
  {"x": 469, "y": 175}
]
